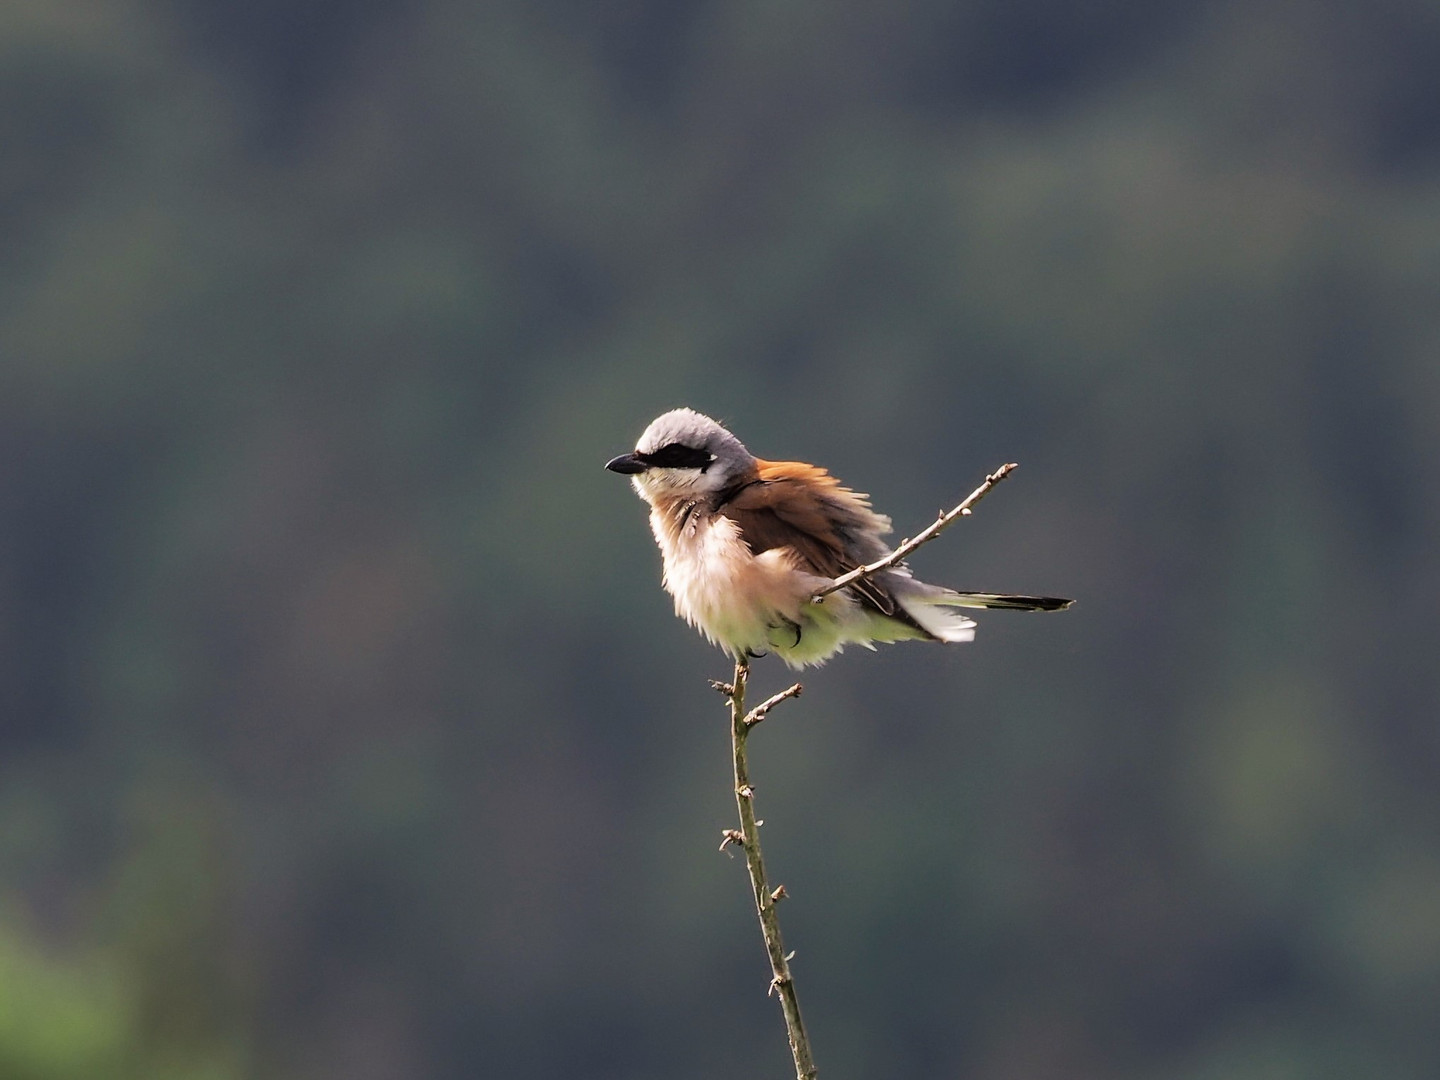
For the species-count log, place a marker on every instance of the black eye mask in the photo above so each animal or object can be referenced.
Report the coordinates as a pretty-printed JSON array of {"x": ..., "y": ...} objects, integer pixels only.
[{"x": 678, "y": 456}]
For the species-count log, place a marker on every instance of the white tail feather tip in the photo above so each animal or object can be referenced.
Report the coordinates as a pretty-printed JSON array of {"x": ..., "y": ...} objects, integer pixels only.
[{"x": 943, "y": 623}]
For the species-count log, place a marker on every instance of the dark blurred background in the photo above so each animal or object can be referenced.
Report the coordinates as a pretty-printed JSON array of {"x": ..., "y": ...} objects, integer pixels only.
[{"x": 345, "y": 731}]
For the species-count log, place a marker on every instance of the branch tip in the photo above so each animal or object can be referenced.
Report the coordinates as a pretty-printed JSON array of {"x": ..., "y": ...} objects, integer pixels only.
[{"x": 946, "y": 518}]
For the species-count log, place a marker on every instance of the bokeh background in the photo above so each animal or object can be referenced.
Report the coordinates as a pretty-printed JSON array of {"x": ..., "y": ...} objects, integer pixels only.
[{"x": 345, "y": 731}]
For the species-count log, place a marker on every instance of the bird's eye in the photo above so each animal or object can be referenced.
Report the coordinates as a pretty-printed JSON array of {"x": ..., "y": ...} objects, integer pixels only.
[{"x": 678, "y": 456}]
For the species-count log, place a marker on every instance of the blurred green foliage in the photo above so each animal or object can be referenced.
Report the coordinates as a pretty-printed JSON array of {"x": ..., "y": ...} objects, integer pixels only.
[{"x": 346, "y": 731}]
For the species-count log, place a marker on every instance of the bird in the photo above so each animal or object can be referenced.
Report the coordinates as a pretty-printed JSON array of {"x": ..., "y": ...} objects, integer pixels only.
[{"x": 746, "y": 543}]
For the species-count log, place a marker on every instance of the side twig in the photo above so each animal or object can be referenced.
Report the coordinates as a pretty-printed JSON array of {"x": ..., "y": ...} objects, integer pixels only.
[
  {"x": 759, "y": 712},
  {"x": 748, "y": 837},
  {"x": 926, "y": 535}
]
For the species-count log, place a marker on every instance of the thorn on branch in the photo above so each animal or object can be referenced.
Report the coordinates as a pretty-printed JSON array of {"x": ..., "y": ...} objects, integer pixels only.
[
  {"x": 723, "y": 687},
  {"x": 731, "y": 836},
  {"x": 745, "y": 791},
  {"x": 777, "y": 982},
  {"x": 779, "y": 894}
]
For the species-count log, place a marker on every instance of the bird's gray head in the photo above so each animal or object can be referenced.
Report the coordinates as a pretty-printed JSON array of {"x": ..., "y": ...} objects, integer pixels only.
[{"x": 684, "y": 453}]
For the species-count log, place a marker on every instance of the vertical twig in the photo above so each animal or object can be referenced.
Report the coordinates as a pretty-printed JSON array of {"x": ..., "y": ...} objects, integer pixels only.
[{"x": 748, "y": 837}]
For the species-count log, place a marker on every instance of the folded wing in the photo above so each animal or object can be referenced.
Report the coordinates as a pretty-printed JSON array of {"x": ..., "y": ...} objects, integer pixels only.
[{"x": 831, "y": 528}]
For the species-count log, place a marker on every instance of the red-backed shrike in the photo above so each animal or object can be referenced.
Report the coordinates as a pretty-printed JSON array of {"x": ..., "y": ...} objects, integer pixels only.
[{"x": 747, "y": 542}]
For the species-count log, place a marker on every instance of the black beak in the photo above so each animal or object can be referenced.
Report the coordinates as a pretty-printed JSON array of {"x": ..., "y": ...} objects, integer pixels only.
[{"x": 628, "y": 464}]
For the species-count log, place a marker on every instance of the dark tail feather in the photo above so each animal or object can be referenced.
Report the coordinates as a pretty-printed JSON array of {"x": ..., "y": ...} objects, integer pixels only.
[{"x": 1008, "y": 603}]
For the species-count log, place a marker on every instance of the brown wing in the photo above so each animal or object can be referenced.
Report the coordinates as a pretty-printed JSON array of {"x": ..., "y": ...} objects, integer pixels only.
[{"x": 803, "y": 508}]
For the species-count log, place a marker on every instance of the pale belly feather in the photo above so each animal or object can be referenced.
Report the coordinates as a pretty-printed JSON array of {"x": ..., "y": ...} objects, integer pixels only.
[{"x": 743, "y": 602}]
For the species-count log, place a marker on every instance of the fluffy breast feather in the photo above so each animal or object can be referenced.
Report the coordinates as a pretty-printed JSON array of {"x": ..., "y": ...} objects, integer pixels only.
[{"x": 735, "y": 597}]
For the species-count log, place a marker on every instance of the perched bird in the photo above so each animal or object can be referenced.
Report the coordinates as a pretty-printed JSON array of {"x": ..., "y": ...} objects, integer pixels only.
[{"x": 746, "y": 543}]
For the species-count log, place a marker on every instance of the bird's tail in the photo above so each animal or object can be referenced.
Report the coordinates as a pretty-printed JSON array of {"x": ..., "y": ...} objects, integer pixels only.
[
  {"x": 1002, "y": 601},
  {"x": 926, "y": 608},
  {"x": 939, "y": 622},
  {"x": 930, "y": 607}
]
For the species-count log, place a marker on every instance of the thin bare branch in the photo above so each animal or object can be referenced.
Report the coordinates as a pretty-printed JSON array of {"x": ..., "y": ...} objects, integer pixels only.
[
  {"x": 748, "y": 837},
  {"x": 928, "y": 534},
  {"x": 755, "y": 715}
]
